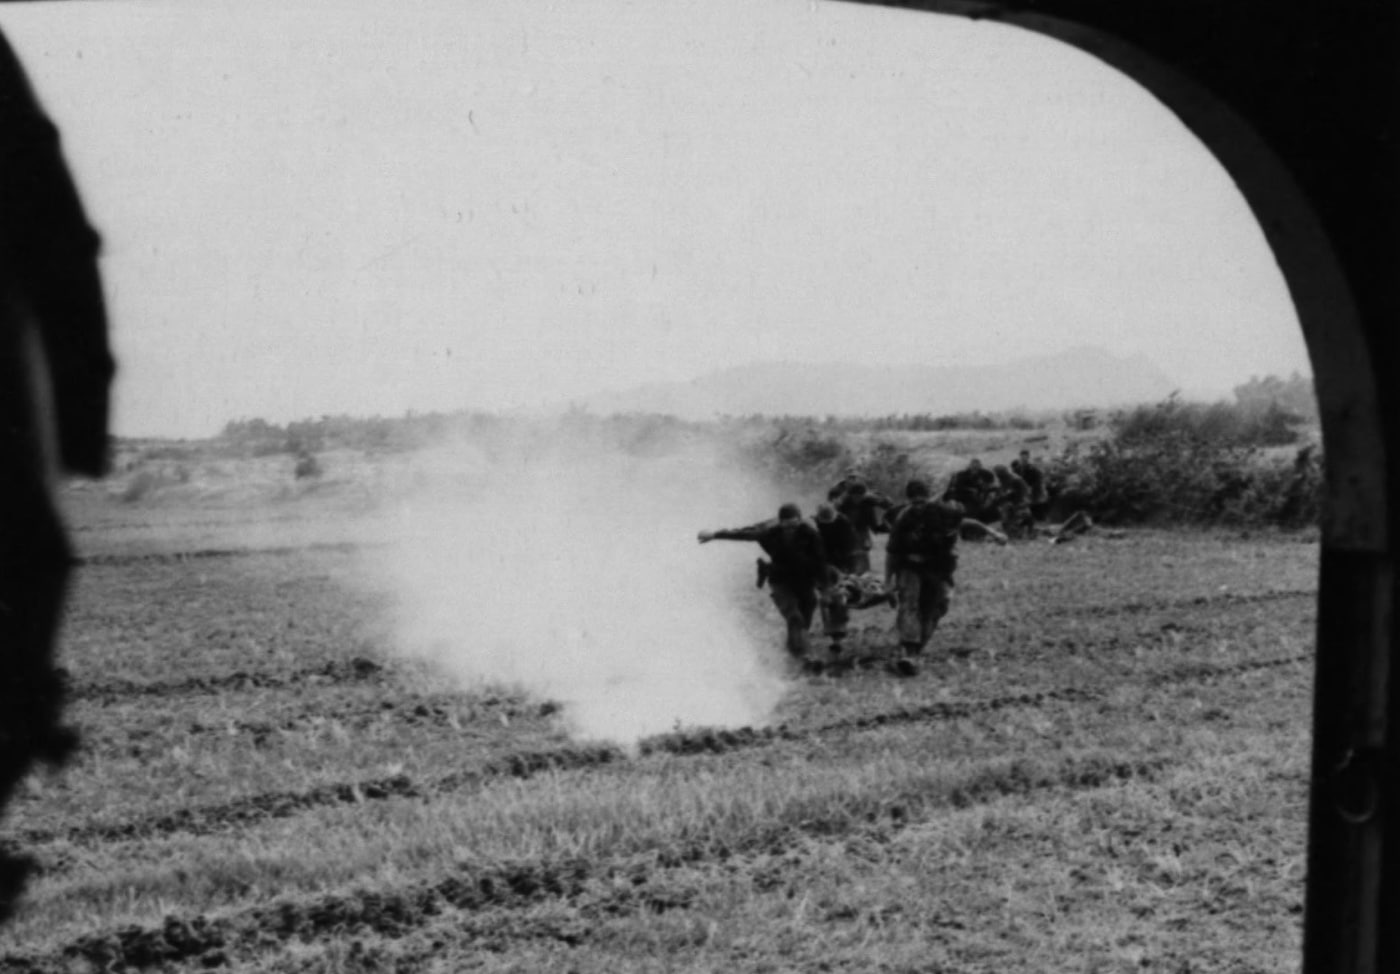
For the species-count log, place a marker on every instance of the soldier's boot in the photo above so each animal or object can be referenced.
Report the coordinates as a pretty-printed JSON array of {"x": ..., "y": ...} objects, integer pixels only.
[
  {"x": 840, "y": 661},
  {"x": 904, "y": 664}
]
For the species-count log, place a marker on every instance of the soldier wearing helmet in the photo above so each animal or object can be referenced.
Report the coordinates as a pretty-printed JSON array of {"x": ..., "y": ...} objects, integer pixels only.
[
  {"x": 921, "y": 558},
  {"x": 798, "y": 577}
]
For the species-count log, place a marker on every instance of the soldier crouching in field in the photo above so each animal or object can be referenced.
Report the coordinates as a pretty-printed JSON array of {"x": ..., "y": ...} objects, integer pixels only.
[
  {"x": 1035, "y": 480},
  {"x": 798, "y": 573},
  {"x": 920, "y": 561},
  {"x": 1013, "y": 503}
]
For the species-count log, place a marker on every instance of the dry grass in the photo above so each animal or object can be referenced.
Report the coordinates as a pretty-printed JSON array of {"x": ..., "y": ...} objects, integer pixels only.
[{"x": 1149, "y": 819}]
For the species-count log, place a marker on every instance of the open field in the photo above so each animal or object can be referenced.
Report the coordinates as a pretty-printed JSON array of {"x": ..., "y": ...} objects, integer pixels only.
[{"x": 1103, "y": 768}]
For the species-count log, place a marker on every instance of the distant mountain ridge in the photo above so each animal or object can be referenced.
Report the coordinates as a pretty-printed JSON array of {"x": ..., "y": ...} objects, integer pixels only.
[{"x": 1078, "y": 377}]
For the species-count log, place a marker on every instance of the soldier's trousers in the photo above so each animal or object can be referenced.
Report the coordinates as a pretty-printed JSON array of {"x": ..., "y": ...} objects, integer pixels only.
[
  {"x": 797, "y": 605},
  {"x": 923, "y": 601},
  {"x": 836, "y": 614},
  {"x": 1016, "y": 520}
]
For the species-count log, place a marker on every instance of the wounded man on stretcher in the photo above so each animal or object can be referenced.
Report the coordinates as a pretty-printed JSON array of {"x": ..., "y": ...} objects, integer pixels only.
[{"x": 861, "y": 591}]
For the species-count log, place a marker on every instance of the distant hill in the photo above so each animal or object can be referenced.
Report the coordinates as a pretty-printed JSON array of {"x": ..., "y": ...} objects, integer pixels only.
[{"x": 1078, "y": 377}]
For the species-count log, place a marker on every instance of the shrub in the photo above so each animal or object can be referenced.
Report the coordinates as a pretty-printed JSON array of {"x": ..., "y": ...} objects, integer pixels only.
[
  {"x": 1216, "y": 424},
  {"x": 887, "y": 469},
  {"x": 1180, "y": 463},
  {"x": 800, "y": 458},
  {"x": 140, "y": 486},
  {"x": 307, "y": 466}
]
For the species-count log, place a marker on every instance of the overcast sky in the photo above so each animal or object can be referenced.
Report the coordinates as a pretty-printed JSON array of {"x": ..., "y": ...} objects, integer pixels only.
[{"x": 370, "y": 206}]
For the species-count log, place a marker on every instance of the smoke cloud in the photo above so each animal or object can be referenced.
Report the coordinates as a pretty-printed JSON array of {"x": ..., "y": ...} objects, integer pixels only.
[{"x": 571, "y": 570}]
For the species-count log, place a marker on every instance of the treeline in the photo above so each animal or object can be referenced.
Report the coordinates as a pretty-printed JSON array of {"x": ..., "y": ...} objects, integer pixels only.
[
  {"x": 1170, "y": 462},
  {"x": 1267, "y": 410},
  {"x": 1293, "y": 395},
  {"x": 1173, "y": 462},
  {"x": 903, "y": 422},
  {"x": 380, "y": 434},
  {"x": 370, "y": 434},
  {"x": 634, "y": 433}
]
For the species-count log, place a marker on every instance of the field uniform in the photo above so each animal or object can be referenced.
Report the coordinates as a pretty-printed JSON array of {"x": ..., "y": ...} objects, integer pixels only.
[
  {"x": 867, "y": 514},
  {"x": 1035, "y": 480},
  {"x": 840, "y": 542},
  {"x": 922, "y": 558},
  {"x": 798, "y": 568},
  {"x": 845, "y": 558},
  {"x": 974, "y": 488}
]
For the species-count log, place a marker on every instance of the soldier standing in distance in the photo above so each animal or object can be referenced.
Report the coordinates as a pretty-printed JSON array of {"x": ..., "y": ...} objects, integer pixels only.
[
  {"x": 798, "y": 575},
  {"x": 921, "y": 558},
  {"x": 55, "y": 370}
]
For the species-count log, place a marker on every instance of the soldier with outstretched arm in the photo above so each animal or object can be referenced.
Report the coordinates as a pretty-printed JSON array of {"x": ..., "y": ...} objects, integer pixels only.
[
  {"x": 920, "y": 561},
  {"x": 798, "y": 576}
]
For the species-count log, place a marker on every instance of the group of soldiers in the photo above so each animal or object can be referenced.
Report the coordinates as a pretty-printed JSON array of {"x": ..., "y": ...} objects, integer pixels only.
[
  {"x": 823, "y": 565},
  {"x": 1014, "y": 494}
]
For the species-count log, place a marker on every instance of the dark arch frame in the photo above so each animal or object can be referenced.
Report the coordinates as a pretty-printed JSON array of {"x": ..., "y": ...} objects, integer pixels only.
[{"x": 1300, "y": 104}]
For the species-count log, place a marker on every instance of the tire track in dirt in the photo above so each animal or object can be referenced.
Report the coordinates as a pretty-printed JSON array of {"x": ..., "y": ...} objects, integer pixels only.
[
  {"x": 1195, "y": 602},
  {"x": 361, "y": 669},
  {"x": 442, "y": 710},
  {"x": 357, "y": 669},
  {"x": 206, "y": 819},
  {"x": 396, "y": 912},
  {"x": 197, "y": 554},
  {"x": 232, "y": 523}
]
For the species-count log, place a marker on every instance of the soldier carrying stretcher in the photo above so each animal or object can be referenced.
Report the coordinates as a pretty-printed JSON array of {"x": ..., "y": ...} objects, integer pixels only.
[{"x": 920, "y": 561}]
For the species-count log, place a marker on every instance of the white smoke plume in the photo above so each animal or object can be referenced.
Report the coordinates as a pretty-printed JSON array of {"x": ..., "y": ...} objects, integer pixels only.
[{"x": 572, "y": 571}]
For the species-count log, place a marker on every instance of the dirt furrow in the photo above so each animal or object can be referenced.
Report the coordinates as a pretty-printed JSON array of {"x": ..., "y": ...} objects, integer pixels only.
[
  {"x": 450, "y": 710},
  {"x": 197, "y": 554},
  {"x": 201, "y": 820},
  {"x": 355, "y": 670},
  {"x": 397, "y": 912},
  {"x": 1195, "y": 602},
  {"x": 1105, "y": 609}
]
